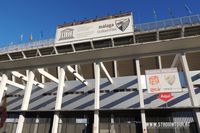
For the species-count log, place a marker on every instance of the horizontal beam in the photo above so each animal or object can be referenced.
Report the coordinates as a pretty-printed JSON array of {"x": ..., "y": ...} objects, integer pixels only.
[
  {"x": 46, "y": 74},
  {"x": 147, "y": 49},
  {"x": 78, "y": 76},
  {"x": 25, "y": 78}
]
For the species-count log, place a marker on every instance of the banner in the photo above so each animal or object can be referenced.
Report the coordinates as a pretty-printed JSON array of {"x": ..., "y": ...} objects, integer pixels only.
[
  {"x": 101, "y": 28},
  {"x": 163, "y": 80}
]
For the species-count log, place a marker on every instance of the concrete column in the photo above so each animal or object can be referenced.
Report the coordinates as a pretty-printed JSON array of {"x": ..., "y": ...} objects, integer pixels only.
[
  {"x": 13, "y": 78},
  {"x": 96, "y": 98},
  {"x": 115, "y": 68},
  {"x": 157, "y": 35},
  {"x": 159, "y": 62},
  {"x": 3, "y": 86},
  {"x": 59, "y": 96},
  {"x": 43, "y": 78},
  {"x": 36, "y": 125},
  {"x": 76, "y": 69},
  {"x": 143, "y": 116},
  {"x": 191, "y": 89},
  {"x": 26, "y": 99}
]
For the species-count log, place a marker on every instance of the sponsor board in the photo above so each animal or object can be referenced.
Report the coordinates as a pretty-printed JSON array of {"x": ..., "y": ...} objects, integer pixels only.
[
  {"x": 102, "y": 28},
  {"x": 167, "y": 124},
  {"x": 163, "y": 80}
]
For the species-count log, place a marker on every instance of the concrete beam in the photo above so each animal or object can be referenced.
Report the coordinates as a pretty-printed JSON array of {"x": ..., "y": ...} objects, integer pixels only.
[
  {"x": 12, "y": 83},
  {"x": 48, "y": 75},
  {"x": 96, "y": 97},
  {"x": 3, "y": 86},
  {"x": 25, "y": 78},
  {"x": 78, "y": 76},
  {"x": 106, "y": 72},
  {"x": 146, "y": 49},
  {"x": 193, "y": 96},
  {"x": 175, "y": 61},
  {"x": 25, "y": 102},
  {"x": 58, "y": 102},
  {"x": 141, "y": 95}
]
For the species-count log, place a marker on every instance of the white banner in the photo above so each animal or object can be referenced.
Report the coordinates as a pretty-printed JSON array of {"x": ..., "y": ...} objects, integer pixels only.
[
  {"x": 163, "y": 80},
  {"x": 102, "y": 28}
]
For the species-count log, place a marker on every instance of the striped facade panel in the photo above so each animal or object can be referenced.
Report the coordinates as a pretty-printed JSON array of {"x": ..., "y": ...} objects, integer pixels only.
[
  {"x": 197, "y": 91},
  {"x": 179, "y": 99},
  {"x": 14, "y": 98},
  {"x": 43, "y": 99},
  {"x": 119, "y": 100},
  {"x": 122, "y": 93}
]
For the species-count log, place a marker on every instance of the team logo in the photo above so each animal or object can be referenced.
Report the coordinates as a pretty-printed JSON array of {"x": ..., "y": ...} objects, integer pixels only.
[
  {"x": 66, "y": 34},
  {"x": 170, "y": 79},
  {"x": 122, "y": 24}
]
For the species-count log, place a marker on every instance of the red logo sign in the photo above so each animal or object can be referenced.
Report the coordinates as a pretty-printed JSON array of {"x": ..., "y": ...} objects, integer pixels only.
[{"x": 165, "y": 96}]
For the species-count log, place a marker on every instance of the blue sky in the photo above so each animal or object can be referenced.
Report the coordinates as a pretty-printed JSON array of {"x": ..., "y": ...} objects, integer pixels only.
[{"x": 35, "y": 16}]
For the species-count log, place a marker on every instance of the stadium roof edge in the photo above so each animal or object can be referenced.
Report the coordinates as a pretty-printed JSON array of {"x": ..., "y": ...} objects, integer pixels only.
[{"x": 94, "y": 20}]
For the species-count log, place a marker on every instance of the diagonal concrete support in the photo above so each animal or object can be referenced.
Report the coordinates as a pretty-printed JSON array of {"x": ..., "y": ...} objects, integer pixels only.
[
  {"x": 25, "y": 78},
  {"x": 106, "y": 72},
  {"x": 175, "y": 61},
  {"x": 48, "y": 75},
  {"x": 78, "y": 76},
  {"x": 191, "y": 89},
  {"x": 15, "y": 84}
]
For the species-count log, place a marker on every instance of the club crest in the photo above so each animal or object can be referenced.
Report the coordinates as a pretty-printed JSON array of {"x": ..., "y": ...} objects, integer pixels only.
[{"x": 122, "y": 24}]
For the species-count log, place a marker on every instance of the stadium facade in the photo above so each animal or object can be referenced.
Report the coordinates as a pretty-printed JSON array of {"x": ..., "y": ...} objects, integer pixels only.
[{"x": 105, "y": 75}]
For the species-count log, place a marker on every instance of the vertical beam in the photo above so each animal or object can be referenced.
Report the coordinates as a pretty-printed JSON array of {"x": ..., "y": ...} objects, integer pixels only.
[
  {"x": 13, "y": 78},
  {"x": 143, "y": 116},
  {"x": 191, "y": 89},
  {"x": 3, "y": 86},
  {"x": 58, "y": 99},
  {"x": 159, "y": 62},
  {"x": 36, "y": 125},
  {"x": 182, "y": 31},
  {"x": 115, "y": 68},
  {"x": 58, "y": 70},
  {"x": 157, "y": 35},
  {"x": 96, "y": 97},
  {"x": 43, "y": 78},
  {"x": 25, "y": 102},
  {"x": 76, "y": 69}
]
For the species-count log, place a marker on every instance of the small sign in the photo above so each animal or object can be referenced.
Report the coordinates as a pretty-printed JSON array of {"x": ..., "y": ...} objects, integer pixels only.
[
  {"x": 165, "y": 96},
  {"x": 81, "y": 120},
  {"x": 163, "y": 80}
]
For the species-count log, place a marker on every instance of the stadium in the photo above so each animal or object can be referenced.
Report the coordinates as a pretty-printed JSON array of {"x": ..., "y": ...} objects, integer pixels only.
[{"x": 105, "y": 75}]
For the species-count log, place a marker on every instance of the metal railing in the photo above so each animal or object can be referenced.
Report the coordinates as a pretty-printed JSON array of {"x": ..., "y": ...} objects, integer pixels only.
[
  {"x": 28, "y": 45},
  {"x": 168, "y": 23},
  {"x": 164, "y": 24}
]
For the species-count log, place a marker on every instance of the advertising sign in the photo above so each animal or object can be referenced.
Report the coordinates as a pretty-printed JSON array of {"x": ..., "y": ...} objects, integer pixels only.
[
  {"x": 163, "y": 80},
  {"x": 102, "y": 28},
  {"x": 165, "y": 96}
]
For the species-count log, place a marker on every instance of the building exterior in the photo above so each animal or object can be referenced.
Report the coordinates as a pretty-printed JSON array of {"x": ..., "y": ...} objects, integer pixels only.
[{"x": 92, "y": 78}]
